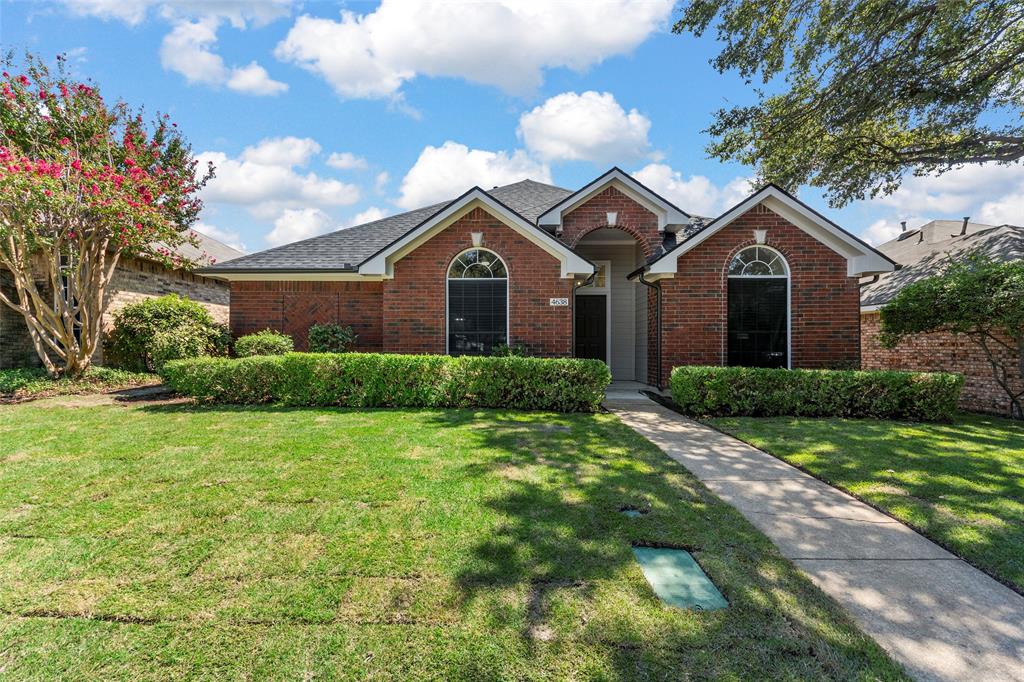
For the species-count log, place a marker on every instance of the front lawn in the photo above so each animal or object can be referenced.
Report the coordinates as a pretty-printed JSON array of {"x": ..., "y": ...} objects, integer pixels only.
[
  {"x": 33, "y": 382},
  {"x": 961, "y": 484},
  {"x": 154, "y": 542}
]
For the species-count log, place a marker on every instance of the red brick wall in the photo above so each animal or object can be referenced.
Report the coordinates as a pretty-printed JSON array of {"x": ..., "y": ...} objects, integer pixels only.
[
  {"x": 632, "y": 218},
  {"x": 414, "y": 301},
  {"x": 942, "y": 352},
  {"x": 292, "y": 307},
  {"x": 825, "y": 325}
]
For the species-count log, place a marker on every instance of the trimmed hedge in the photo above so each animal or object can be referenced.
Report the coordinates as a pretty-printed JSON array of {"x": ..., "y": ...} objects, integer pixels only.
[
  {"x": 266, "y": 342},
  {"x": 760, "y": 392},
  {"x": 383, "y": 380}
]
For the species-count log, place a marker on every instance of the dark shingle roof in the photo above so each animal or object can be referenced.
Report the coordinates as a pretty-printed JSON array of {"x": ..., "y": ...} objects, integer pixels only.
[
  {"x": 1002, "y": 243},
  {"x": 345, "y": 249}
]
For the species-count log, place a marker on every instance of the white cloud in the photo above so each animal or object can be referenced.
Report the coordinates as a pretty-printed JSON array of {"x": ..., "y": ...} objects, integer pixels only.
[
  {"x": 1008, "y": 209},
  {"x": 988, "y": 193},
  {"x": 230, "y": 237},
  {"x": 131, "y": 12},
  {"x": 955, "y": 191},
  {"x": 587, "y": 127},
  {"x": 254, "y": 80},
  {"x": 884, "y": 229},
  {"x": 696, "y": 194},
  {"x": 186, "y": 50},
  {"x": 282, "y": 151},
  {"x": 299, "y": 223},
  {"x": 346, "y": 161},
  {"x": 447, "y": 171},
  {"x": 381, "y": 181},
  {"x": 507, "y": 44},
  {"x": 368, "y": 216},
  {"x": 264, "y": 178}
]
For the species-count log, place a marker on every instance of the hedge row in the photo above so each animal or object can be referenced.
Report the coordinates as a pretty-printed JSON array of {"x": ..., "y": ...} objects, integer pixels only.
[
  {"x": 383, "y": 380},
  {"x": 758, "y": 392}
]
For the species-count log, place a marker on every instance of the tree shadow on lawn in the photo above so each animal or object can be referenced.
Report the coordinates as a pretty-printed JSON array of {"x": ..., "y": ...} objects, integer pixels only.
[
  {"x": 563, "y": 551},
  {"x": 564, "y": 538},
  {"x": 940, "y": 479}
]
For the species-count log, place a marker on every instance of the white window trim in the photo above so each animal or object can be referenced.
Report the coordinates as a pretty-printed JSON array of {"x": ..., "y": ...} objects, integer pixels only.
[
  {"x": 789, "y": 298},
  {"x": 605, "y": 291},
  {"x": 508, "y": 302}
]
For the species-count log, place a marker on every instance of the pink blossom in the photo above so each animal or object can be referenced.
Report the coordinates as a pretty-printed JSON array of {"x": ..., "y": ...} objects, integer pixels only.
[{"x": 64, "y": 142}]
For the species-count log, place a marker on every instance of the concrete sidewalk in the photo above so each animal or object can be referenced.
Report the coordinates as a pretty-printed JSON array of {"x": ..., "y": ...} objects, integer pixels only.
[{"x": 939, "y": 617}]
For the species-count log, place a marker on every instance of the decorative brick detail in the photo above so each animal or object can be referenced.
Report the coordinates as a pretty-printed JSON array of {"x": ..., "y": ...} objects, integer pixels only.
[
  {"x": 293, "y": 307},
  {"x": 632, "y": 218},
  {"x": 943, "y": 352},
  {"x": 825, "y": 303},
  {"x": 414, "y": 301}
]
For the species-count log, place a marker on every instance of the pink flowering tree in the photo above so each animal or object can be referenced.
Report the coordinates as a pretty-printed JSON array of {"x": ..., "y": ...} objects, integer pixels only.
[{"x": 83, "y": 184}]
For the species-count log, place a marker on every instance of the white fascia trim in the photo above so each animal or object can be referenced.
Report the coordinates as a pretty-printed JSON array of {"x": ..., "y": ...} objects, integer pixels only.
[
  {"x": 870, "y": 308},
  {"x": 860, "y": 260},
  {"x": 294, "y": 276},
  {"x": 631, "y": 187},
  {"x": 382, "y": 264}
]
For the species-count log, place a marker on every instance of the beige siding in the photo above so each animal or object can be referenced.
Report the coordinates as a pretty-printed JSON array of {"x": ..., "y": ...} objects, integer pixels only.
[{"x": 625, "y": 360}]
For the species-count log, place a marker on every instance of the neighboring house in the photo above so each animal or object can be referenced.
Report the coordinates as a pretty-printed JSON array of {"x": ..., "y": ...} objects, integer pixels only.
[
  {"x": 611, "y": 271},
  {"x": 134, "y": 279},
  {"x": 922, "y": 253}
]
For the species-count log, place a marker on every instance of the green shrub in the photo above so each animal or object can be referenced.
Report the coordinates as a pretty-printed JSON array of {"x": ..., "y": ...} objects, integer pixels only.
[
  {"x": 384, "y": 380},
  {"x": 266, "y": 342},
  {"x": 331, "y": 338},
  {"x": 187, "y": 341},
  {"x": 138, "y": 325},
  {"x": 760, "y": 392},
  {"x": 503, "y": 350}
]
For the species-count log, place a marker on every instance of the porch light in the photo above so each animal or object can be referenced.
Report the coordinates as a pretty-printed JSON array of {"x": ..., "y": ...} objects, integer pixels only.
[
  {"x": 760, "y": 236},
  {"x": 612, "y": 218},
  {"x": 477, "y": 237}
]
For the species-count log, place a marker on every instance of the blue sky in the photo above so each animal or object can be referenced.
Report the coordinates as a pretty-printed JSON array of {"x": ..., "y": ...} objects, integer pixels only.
[{"x": 320, "y": 115}]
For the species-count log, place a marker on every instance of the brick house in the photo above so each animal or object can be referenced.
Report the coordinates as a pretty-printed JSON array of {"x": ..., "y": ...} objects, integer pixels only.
[
  {"x": 922, "y": 253},
  {"x": 611, "y": 271},
  {"x": 134, "y": 279}
]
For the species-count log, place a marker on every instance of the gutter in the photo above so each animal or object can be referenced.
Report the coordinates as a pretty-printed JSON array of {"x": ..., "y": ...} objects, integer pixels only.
[{"x": 657, "y": 311}]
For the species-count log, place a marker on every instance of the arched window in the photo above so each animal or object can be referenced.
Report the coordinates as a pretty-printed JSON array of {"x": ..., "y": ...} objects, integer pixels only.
[
  {"x": 758, "y": 308},
  {"x": 477, "y": 303}
]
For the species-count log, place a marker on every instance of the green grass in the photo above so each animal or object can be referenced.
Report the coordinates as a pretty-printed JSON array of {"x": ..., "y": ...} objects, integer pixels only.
[
  {"x": 172, "y": 541},
  {"x": 961, "y": 484},
  {"x": 33, "y": 382}
]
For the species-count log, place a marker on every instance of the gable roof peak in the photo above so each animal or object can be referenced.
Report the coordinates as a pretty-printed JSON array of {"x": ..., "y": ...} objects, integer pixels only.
[{"x": 669, "y": 215}]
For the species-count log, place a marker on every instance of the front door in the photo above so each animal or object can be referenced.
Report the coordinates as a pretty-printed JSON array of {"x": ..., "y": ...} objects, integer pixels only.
[{"x": 592, "y": 327}]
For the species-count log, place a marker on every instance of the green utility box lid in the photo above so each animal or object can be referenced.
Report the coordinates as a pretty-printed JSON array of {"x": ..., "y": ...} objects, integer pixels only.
[{"x": 677, "y": 579}]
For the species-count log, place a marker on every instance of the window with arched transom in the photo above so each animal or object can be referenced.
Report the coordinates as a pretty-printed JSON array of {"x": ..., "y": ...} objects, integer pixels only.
[{"x": 477, "y": 308}]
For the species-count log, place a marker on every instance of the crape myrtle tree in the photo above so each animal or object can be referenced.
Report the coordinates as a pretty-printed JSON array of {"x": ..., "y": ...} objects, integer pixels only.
[
  {"x": 83, "y": 184},
  {"x": 854, "y": 94},
  {"x": 977, "y": 297}
]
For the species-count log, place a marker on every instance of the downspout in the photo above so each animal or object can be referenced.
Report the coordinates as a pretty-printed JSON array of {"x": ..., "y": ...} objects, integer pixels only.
[
  {"x": 588, "y": 280},
  {"x": 657, "y": 315}
]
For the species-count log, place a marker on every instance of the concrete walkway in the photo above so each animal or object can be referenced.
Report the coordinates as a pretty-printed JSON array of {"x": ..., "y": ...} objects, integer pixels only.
[{"x": 939, "y": 617}]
